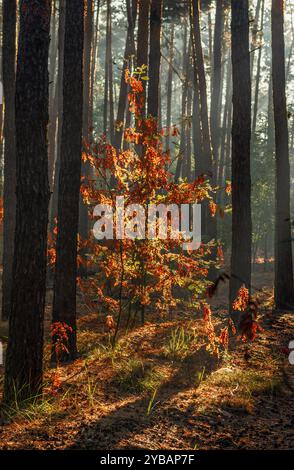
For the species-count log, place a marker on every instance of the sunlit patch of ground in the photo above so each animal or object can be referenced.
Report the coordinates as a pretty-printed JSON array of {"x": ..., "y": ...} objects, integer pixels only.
[{"x": 160, "y": 388}]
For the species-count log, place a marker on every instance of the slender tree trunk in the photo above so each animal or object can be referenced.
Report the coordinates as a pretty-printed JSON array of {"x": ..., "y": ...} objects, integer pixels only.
[
  {"x": 284, "y": 297},
  {"x": 8, "y": 64},
  {"x": 241, "y": 133},
  {"x": 52, "y": 96},
  {"x": 216, "y": 81},
  {"x": 110, "y": 73},
  {"x": 88, "y": 36},
  {"x": 59, "y": 111},
  {"x": 254, "y": 35},
  {"x": 154, "y": 57},
  {"x": 64, "y": 303},
  {"x": 23, "y": 372},
  {"x": 129, "y": 51},
  {"x": 94, "y": 62},
  {"x": 257, "y": 84},
  {"x": 143, "y": 38},
  {"x": 181, "y": 155},
  {"x": 225, "y": 126},
  {"x": 199, "y": 73},
  {"x": 169, "y": 89}
]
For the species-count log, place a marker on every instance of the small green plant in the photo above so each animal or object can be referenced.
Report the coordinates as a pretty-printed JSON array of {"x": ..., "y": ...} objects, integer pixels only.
[
  {"x": 152, "y": 403},
  {"x": 129, "y": 373},
  {"x": 199, "y": 377},
  {"x": 179, "y": 343},
  {"x": 91, "y": 390}
]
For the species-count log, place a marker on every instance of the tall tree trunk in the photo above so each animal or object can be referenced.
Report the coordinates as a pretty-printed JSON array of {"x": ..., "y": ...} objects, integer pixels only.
[
  {"x": 8, "y": 63},
  {"x": 88, "y": 36},
  {"x": 199, "y": 72},
  {"x": 241, "y": 133},
  {"x": 254, "y": 35},
  {"x": 143, "y": 38},
  {"x": 110, "y": 73},
  {"x": 23, "y": 372},
  {"x": 185, "y": 84},
  {"x": 129, "y": 51},
  {"x": 284, "y": 297},
  {"x": 64, "y": 303},
  {"x": 94, "y": 62},
  {"x": 154, "y": 57},
  {"x": 216, "y": 81},
  {"x": 59, "y": 111},
  {"x": 169, "y": 90},
  {"x": 52, "y": 95},
  {"x": 257, "y": 83}
]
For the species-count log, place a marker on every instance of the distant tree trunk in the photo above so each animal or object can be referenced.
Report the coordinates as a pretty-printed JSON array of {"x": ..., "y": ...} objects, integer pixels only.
[
  {"x": 129, "y": 51},
  {"x": 64, "y": 303},
  {"x": 110, "y": 73},
  {"x": 106, "y": 77},
  {"x": 8, "y": 64},
  {"x": 169, "y": 88},
  {"x": 94, "y": 62},
  {"x": 181, "y": 155},
  {"x": 154, "y": 56},
  {"x": 254, "y": 35},
  {"x": 59, "y": 111},
  {"x": 216, "y": 81},
  {"x": 241, "y": 133},
  {"x": 88, "y": 36},
  {"x": 257, "y": 84},
  {"x": 270, "y": 147},
  {"x": 23, "y": 372},
  {"x": 199, "y": 72},
  {"x": 143, "y": 37},
  {"x": 225, "y": 126},
  {"x": 52, "y": 95},
  {"x": 284, "y": 297}
]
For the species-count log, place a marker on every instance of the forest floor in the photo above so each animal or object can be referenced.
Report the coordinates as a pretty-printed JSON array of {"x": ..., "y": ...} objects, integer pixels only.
[{"x": 161, "y": 389}]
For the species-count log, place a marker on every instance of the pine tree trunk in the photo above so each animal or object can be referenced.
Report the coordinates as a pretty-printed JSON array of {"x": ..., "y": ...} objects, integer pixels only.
[
  {"x": 169, "y": 90},
  {"x": 23, "y": 373},
  {"x": 154, "y": 57},
  {"x": 59, "y": 112},
  {"x": 257, "y": 84},
  {"x": 88, "y": 36},
  {"x": 241, "y": 133},
  {"x": 64, "y": 304},
  {"x": 8, "y": 63},
  {"x": 181, "y": 155},
  {"x": 209, "y": 225},
  {"x": 52, "y": 95},
  {"x": 129, "y": 51},
  {"x": 143, "y": 38},
  {"x": 284, "y": 297},
  {"x": 216, "y": 81}
]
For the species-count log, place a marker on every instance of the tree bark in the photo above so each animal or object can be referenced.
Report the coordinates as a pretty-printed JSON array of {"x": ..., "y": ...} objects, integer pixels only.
[
  {"x": 209, "y": 223},
  {"x": 129, "y": 51},
  {"x": 154, "y": 57},
  {"x": 52, "y": 95},
  {"x": 23, "y": 372},
  {"x": 8, "y": 64},
  {"x": 284, "y": 297},
  {"x": 143, "y": 38},
  {"x": 59, "y": 111},
  {"x": 169, "y": 89},
  {"x": 241, "y": 134},
  {"x": 64, "y": 303},
  {"x": 88, "y": 36},
  {"x": 216, "y": 81}
]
